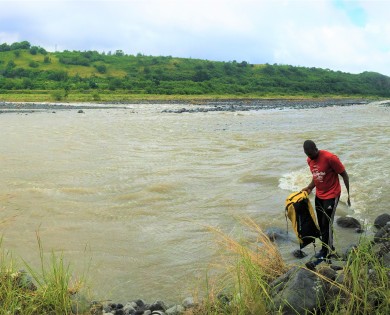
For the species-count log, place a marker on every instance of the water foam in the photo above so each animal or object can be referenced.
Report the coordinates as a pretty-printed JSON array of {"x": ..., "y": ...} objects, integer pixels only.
[{"x": 296, "y": 180}]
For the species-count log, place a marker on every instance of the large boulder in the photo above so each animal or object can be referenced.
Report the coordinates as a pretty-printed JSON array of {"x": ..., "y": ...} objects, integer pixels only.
[
  {"x": 349, "y": 223},
  {"x": 382, "y": 220},
  {"x": 298, "y": 291}
]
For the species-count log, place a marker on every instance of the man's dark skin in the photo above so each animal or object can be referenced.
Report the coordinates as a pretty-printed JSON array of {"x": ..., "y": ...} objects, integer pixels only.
[{"x": 312, "y": 152}]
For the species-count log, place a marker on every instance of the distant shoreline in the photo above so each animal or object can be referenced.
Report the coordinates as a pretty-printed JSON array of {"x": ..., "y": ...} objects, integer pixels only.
[{"x": 241, "y": 103}]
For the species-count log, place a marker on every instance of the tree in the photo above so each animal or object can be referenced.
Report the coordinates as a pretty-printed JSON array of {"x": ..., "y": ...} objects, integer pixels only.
[
  {"x": 46, "y": 60},
  {"x": 34, "y": 50},
  {"x": 101, "y": 68}
]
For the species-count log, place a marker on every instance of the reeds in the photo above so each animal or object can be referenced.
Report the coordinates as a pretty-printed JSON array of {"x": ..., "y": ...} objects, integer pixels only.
[
  {"x": 366, "y": 284},
  {"x": 242, "y": 285},
  {"x": 28, "y": 291}
]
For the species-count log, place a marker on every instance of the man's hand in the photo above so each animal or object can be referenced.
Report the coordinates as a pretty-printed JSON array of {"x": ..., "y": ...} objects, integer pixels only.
[{"x": 307, "y": 189}]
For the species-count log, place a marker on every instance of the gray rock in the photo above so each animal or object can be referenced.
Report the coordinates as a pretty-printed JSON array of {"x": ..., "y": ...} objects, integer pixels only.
[
  {"x": 277, "y": 284},
  {"x": 304, "y": 291},
  {"x": 189, "y": 302},
  {"x": 338, "y": 265},
  {"x": 348, "y": 222},
  {"x": 96, "y": 308},
  {"x": 386, "y": 260},
  {"x": 299, "y": 253},
  {"x": 175, "y": 310},
  {"x": 383, "y": 234},
  {"x": 349, "y": 250},
  {"x": 381, "y": 220},
  {"x": 80, "y": 304},
  {"x": 276, "y": 234},
  {"x": 327, "y": 272},
  {"x": 129, "y": 308},
  {"x": 158, "y": 306},
  {"x": 24, "y": 280},
  {"x": 381, "y": 249}
]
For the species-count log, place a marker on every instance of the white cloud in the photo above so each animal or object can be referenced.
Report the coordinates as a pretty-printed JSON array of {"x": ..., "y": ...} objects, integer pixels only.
[{"x": 298, "y": 32}]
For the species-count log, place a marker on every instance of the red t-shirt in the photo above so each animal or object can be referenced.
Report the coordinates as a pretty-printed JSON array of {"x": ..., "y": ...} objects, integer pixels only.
[{"x": 325, "y": 169}]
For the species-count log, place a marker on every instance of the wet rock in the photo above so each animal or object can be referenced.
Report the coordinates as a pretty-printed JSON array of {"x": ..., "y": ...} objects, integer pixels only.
[
  {"x": 382, "y": 220},
  {"x": 348, "y": 222},
  {"x": 158, "y": 306},
  {"x": 275, "y": 234},
  {"x": 299, "y": 253}
]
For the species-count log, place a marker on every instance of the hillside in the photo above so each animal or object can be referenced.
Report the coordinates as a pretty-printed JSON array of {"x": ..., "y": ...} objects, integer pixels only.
[{"x": 30, "y": 69}]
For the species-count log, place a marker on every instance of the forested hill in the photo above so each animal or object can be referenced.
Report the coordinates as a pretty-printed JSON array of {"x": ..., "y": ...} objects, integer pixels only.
[{"x": 24, "y": 67}]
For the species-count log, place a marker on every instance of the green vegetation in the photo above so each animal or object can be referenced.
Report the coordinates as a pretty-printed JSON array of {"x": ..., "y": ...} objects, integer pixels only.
[
  {"x": 242, "y": 287},
  {"x": 49, "y": 291},
  {"x": 30, "y": 72},
  {"x": 247, "y": 270}
]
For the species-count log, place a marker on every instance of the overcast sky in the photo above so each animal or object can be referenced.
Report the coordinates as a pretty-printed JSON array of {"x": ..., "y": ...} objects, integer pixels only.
[{"x": 347, "y": 35}]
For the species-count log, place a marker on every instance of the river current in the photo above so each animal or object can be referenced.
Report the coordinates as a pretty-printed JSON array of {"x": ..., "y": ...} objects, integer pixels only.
[{"x": 126, "y": 195}]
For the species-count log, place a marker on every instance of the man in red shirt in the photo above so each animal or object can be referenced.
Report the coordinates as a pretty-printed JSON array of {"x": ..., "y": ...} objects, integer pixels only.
[{"x": 326, "y": 168}]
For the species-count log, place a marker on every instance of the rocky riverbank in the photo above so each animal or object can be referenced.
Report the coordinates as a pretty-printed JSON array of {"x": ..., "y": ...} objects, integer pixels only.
[
  {"x": 319, "y": 288},
  {"x": 254, "y": 105},
  {"x": 186, "y": 106},
  {"x": 300, "y": 290}
]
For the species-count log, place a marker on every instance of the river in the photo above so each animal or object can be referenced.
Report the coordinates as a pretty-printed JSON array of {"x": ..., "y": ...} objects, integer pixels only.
[{"x": 126, "y": 194}]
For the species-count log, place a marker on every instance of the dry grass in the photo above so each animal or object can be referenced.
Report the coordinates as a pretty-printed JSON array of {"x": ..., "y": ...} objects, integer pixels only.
[{"x": 240, "y": 281}]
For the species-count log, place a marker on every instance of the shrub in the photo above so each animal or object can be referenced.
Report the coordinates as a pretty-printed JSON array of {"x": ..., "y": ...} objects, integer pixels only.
[{"x": 57, "y": 95}]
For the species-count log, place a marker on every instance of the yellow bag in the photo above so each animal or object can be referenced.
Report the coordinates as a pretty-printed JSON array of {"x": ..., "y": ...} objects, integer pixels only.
[{"x": 301, "y": 214}]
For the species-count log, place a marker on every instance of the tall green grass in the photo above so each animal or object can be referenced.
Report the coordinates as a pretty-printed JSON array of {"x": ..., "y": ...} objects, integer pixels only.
[
  {"x": 366, "y": 285},
  {"x": 32, "y": 292},
  {"x": 242, "y": 284}
]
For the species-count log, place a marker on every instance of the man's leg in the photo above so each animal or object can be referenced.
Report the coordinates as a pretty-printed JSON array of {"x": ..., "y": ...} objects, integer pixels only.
[{"x": 325, "y": 210}]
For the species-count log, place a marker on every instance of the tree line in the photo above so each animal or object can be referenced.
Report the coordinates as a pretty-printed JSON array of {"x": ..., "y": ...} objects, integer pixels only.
[{"x": 27, "y": 67}]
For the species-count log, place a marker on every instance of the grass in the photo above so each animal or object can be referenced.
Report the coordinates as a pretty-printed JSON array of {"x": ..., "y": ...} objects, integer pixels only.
[
  {"x": 366, "y": 285},
  {"x": 31, "y": 292},
  {"x": 124, "y": 96},
  {"x": 239, "y": 283},
  {"x": 242, "y": 286}
]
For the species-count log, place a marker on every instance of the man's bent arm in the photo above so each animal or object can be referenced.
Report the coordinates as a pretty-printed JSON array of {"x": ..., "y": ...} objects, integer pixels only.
[
  {"x": 345, "y": 177},
  {"x": 310, "y": 187}
]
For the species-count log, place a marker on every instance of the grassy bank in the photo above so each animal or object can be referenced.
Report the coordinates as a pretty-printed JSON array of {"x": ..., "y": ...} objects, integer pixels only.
[
  {"x": 122, "y": 96},
  {"x": 243, "y": 285},
  {"x": 240, "y": 283},
  {"x": 50, "y": 290}
]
